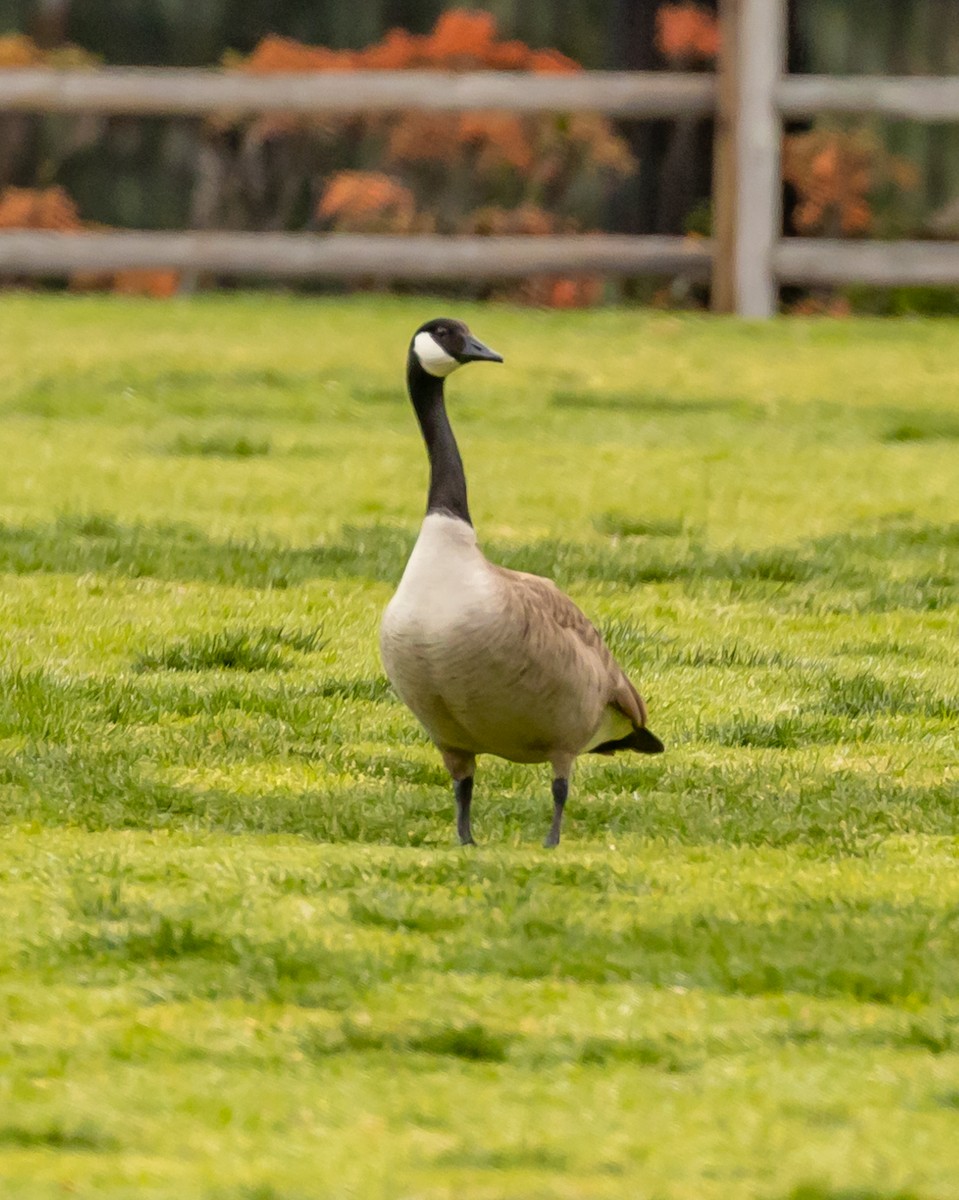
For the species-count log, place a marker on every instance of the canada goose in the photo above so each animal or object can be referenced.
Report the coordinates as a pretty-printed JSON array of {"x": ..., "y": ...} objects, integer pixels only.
[{"x": 493, "y": 661}]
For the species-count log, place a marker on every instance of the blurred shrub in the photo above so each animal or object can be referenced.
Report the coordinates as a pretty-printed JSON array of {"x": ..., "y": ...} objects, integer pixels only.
[
  {"x": 686, "y": 35},
  {"x": 18, "y": 50},
  {"x": 38, "y": 208},
  {"x": 368, "y": 202},
  {"x": 839, "y": 175},
  {"x": 845, "y": 180},
  {"x": 904, "y": 301},
  {"x": 412, "y": 171},
  {"x": 52, "y": 209}
]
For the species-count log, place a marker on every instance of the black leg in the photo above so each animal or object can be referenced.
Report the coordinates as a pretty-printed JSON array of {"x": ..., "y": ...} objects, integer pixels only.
[
  {"x": 560, "y": 792},
  {"x": 463, "y": 791}
]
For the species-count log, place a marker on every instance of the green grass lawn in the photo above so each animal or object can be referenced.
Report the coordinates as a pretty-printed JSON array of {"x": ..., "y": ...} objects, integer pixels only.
[{"x": 241, "y": 957}]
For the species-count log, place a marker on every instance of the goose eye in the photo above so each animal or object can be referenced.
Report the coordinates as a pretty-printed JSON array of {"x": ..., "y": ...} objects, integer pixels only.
[{"x": 441, "y": 332}]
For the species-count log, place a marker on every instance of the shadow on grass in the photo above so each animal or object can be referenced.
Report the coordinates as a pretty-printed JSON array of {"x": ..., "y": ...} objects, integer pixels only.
[
  {"x": 107, "y": 782},
  {"x": 652, "y": 404},
  {"x": 482, "y": 914},
  {"x": 856, "y": 561},
  {"x": 878, "y": 953},
  {"x": 75, "y": 545},
  {"x": 473, "y": 1042},
  {"x": 50, "y": 709},
  {"x": 250, "y": 392},
  {"x": 523, "y": 1157},
  {"x": 219, "y": 444},
  {"x": 72, "y": 1138},
  {"x": 840, "y": 711},
  {"x": 873, "y": 950},
  {"x": 231, "y": 650},
  {"x": 921, "y": 426},
  {"x": 94, "y": 752},
  {"x": 824, "y": 1191},
  {"x": 283, "y": 970}
]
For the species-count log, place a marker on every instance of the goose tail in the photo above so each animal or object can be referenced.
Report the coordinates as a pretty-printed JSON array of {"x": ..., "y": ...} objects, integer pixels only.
[{"x": 641, "y": 739}]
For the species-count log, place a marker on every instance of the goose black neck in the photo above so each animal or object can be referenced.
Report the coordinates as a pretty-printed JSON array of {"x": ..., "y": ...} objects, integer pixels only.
[{"x": 447, "y": 492}]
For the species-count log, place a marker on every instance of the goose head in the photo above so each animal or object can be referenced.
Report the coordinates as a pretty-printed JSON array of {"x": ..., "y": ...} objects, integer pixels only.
[{"x": 442, "y": 345}]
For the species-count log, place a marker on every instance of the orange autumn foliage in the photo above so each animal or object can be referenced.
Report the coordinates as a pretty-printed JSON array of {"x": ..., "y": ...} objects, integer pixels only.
[
  {"x": 157, "y": 283},
  {"x": 581, "y": 292},
  {"x": 52, "y": 209},
  {"x": 460, "y": 40},
  {"x": 686, "y": 33},
  {"x": 396, "y": 52},
  {"x": 497, "y": 138},
  {"x": 421, "y": 137},
  {"x": 39, "y": 208},
  {"x": 461, "y": 36},
  {"x": 527, "y": 220},
  {"x": 19, "y": 50},
  {"x": 835, "y": 174},
  {"x": 820, "y": 305},
  {"x": 282, "y": 55},
  {"x": 367, "y": 202},
  {"x": 412, "y": 171},
  {"x": 363, "y": 191}
]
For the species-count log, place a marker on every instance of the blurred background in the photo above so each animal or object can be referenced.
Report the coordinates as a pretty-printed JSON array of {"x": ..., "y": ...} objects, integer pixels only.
[{"x": 470, "y": 173}]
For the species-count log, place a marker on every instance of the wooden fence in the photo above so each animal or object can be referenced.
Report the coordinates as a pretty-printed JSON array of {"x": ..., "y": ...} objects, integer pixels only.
[{"x": 750, "y": 97}]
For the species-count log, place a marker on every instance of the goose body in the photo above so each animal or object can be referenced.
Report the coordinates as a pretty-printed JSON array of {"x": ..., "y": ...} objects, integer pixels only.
[
  {"x": 493, "y": 661},
  {"x": 499, "y": 662}
]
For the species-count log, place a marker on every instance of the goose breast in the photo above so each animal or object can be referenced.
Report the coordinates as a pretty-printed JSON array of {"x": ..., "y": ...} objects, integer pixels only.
[{"x": 490, "y": 660}]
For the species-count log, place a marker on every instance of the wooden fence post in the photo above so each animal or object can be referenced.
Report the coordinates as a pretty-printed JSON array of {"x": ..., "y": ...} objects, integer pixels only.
[
  {"x": 723, "y": 289},
  {"x": 747, "y": 192}
]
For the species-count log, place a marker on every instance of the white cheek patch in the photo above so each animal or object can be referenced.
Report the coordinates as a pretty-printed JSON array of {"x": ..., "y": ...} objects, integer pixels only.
[{"x": 432, "y": 357}]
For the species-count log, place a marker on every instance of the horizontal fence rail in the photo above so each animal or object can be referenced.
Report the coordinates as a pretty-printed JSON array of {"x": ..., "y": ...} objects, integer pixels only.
[
  {"x": 174, "y": 91},
  {"x": 815, "y": 261},
  {"x": 351, "y": 256},
  {"x": 427, "y": 257},
  {"x": 912, "y": 98}
]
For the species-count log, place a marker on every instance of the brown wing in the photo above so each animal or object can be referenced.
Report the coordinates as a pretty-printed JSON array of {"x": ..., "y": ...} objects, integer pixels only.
[{"x": 536, "y": 592}]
